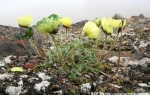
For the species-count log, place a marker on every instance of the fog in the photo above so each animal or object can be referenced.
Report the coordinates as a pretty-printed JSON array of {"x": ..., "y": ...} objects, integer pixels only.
[{"x": 77, "y": 10}]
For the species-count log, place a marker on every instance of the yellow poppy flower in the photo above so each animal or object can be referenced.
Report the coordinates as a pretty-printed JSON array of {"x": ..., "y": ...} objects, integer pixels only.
[
  {"x": 16, "y": 69},
  {"x": 107, "y": 25},
  {"x": 116, "y": 23},
  {"x": 110, "y": 22},
  {"x": 91, "y": 30},
  {"x": 124, "y": 24},
  {"x": 25, "y": 21},
  {"x": 97, "y": 21},
  {"x": 66, "y": 22}
]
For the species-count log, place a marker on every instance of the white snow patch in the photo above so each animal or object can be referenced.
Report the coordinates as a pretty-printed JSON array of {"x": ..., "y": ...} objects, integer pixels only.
[
  {"x": 12, "y": 90},
  {"x": 43, "y": 76},
  {"x": 41, "y": 85}
]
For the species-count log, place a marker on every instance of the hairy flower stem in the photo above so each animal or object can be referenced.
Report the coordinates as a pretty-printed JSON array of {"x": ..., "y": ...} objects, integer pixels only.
[
  {"x": 96, "y": 43},
  {"x": 119, "y": 53},
  {"x": 26, "y": 47},
  {"x": 102, "y": 54},
  {"x": 66, "y": 34},
  {"x": 103, "y": 47},
  {"x": 35, "y": 46},
  {"x": 56, "y": 46},
  {"x": 115, "y": 41}
]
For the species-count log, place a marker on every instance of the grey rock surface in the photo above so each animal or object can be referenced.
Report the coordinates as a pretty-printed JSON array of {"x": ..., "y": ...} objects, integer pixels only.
[{"x": 10, "y": 44}]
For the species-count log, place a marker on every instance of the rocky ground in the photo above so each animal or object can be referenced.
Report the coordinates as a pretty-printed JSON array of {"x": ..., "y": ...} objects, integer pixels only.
[{"x": 133, "y": 75}]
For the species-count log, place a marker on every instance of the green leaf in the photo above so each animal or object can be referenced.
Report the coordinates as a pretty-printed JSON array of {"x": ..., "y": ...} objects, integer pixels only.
[
  {"x": 28, "y": 33},
  {"x": 72, "y": 75},
  {"x": 72, "y": 92}
]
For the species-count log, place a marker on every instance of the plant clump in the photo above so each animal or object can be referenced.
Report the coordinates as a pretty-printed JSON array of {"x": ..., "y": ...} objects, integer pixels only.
[{"x": 77, "y": 57}]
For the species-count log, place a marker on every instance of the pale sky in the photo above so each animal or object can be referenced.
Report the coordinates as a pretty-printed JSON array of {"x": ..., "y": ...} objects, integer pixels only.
[{"x": 77, "y": 10}]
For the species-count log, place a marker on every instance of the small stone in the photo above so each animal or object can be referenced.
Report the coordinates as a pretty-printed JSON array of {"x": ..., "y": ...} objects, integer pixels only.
[
  {"x": 20, "y": 64},
  {"x": 22, "y": 58},
  {"x": 2, "y": 63},
  {"x": 143, "y": 44},
  {"x": 20, "y": 83},
  {"x": 140, "y": 90},
  {"x": 144, "y": 62},
  {"x": 117, "y": 86},
  {"x": 45, "y": 71},
  {"x": 143, "y": 84},
  {"x": 87, "y": 76},
  {"x": 85, "y": 88},
  {"x": 41, "y": 86},
  {"x": 43, "y": 76},
  {"x": 113, "y": 59},
  {"x": 7, "y": 59},
  {"x": 59, "y": 92},
  {"x": 52, "y": 47}
]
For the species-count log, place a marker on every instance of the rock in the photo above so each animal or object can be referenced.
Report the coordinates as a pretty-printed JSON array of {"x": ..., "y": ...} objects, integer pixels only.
[
  {"x": 142, "y": 16},
  {"x": 118, "y": 16},
  {"x": 10, "y": 44},
  {"x": 85, "y": 88},
  {"x": 144, "y": 62},
  {"x": 143, "y": 84},
  {"x": 42, "y": 85},
  {"x": 143, "y": 44},
  {"x": 140, "y": 90},
  {"x": 5, "y": 76},
  {"x": 117, "y": 86},
  {"x": 125, "y": 61},
  {"x": 113, "y": 59},
  {"x": 79, "y": 24},
  {"x": 7, "y": 59},
  {"x": 12, "y": 90},
  {"x": 58, "y": 92},
  {"x": 2, "y": 63},
  {"x": 43, "y": 76},
  {"x": 138, "y": 19}
]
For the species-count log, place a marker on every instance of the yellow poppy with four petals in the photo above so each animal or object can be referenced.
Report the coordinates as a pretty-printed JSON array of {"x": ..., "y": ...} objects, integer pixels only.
[{"x": 107, "y": 26}]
